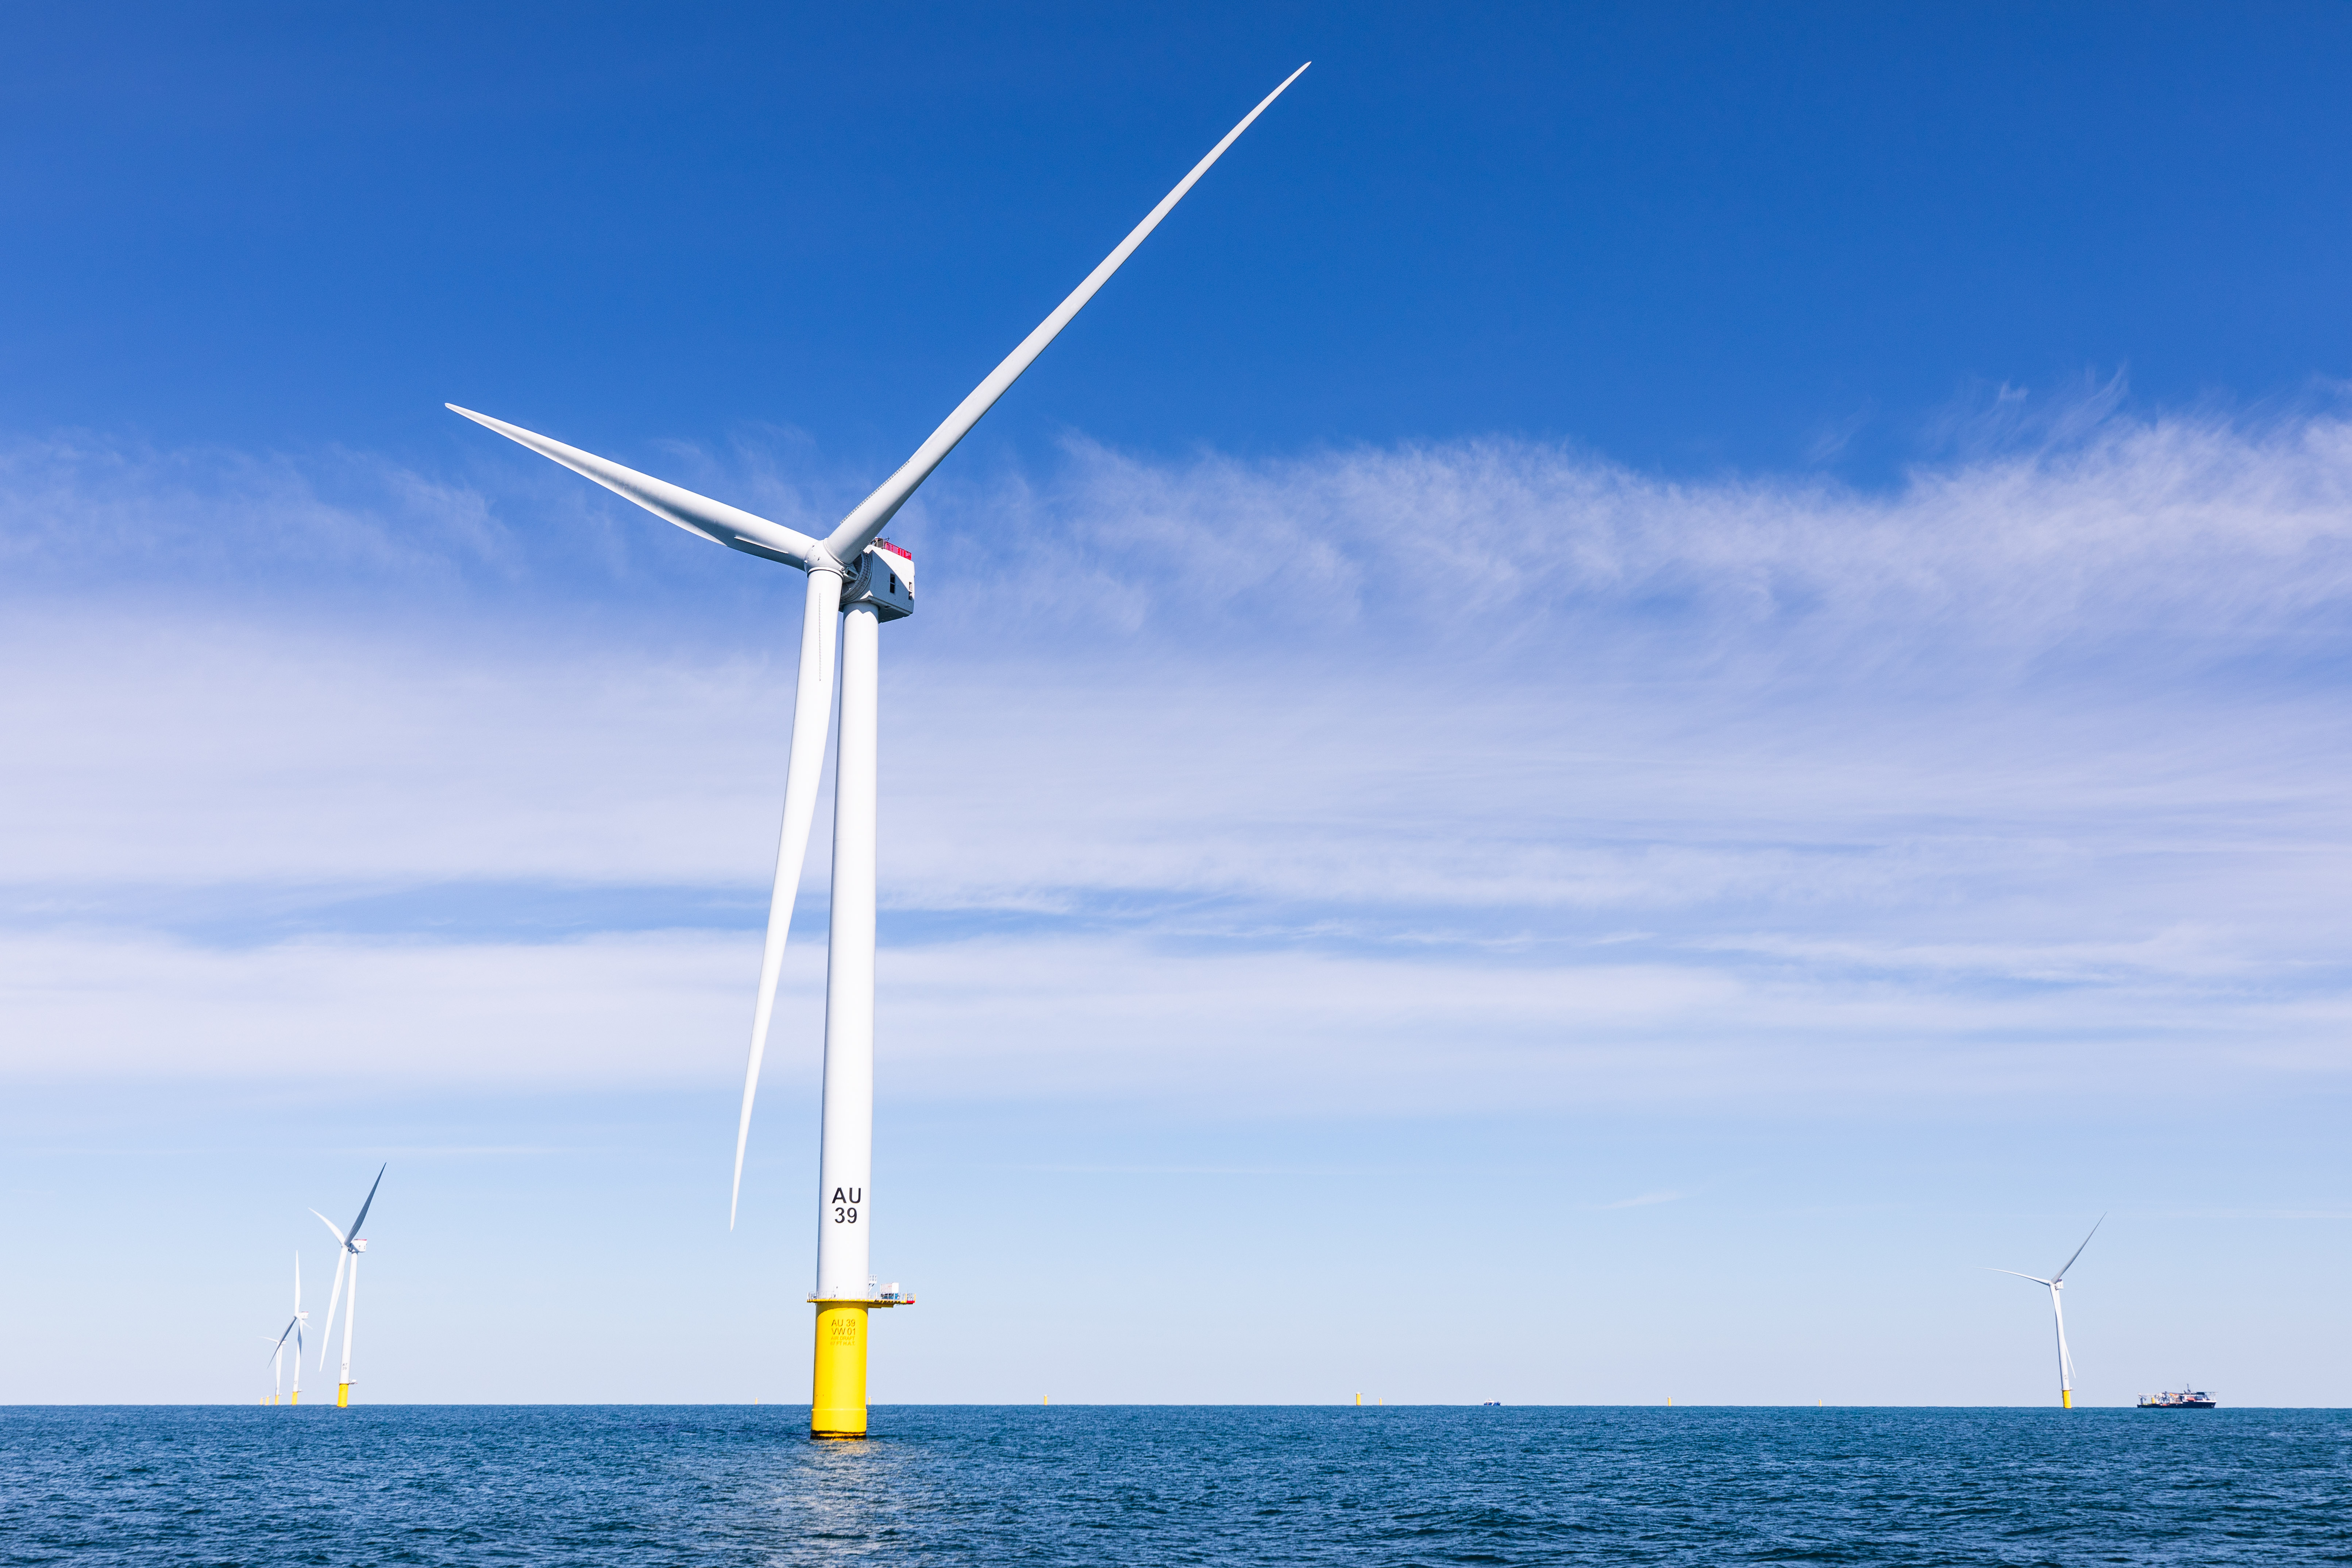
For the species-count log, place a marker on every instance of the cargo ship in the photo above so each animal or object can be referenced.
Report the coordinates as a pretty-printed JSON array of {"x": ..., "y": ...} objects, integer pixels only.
[{"x": 2182, "y": 1399}]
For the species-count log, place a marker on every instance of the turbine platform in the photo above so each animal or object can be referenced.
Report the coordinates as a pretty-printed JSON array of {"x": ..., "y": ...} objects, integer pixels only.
[
  {"x": 892, "y": 1298},
  {"x": 837, "y": 1388}
]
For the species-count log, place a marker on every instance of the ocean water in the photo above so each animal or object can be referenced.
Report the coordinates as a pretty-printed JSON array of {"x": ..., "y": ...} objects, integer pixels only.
[{"x": 1158, "y": 1485}]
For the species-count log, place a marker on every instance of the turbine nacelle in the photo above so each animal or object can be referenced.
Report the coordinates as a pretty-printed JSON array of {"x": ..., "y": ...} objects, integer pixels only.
[{"x": 884, "y": 578}]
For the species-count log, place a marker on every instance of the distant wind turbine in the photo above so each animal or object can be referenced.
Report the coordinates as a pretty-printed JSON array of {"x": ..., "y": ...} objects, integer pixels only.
[
  {"x": 294, "y": 1326},
  {"x": 857, "y": 581},
  {"x": 352, "y": 1245},
  {"x": 2057, "y": 1282}
]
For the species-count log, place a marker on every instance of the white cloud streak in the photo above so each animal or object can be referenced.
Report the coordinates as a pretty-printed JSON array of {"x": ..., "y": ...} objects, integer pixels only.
[
  {"x": 2177, "y": 528},
  {"x": 1281, "y": 1032},
  {"x": 1486, "y": 755}
]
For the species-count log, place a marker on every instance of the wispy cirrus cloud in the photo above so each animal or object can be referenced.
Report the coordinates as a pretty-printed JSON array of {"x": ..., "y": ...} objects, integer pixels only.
[
  {"x": 2034, "y": 759},
  {"x": 1643, "y": 1200},
  {"x": 2176, "y": 530}
]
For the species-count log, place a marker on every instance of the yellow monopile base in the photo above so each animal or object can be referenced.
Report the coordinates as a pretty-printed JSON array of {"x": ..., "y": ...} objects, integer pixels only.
[
  {"x": 342, "y": 1396},
  {"x": 2066, "y": 1398},
  {"x": 297, "y": 1399},
  {"x": 838, "y": 1397}
]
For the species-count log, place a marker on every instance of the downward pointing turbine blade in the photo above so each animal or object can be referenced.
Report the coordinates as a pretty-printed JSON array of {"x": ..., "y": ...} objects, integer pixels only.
[
  {"x": 812, "y": 710},
  {"x": 864, "y": 525},
  {"x": 712, "y": 520},
  {"x": 2078, "y": 1251},
  {"x": 324, "y": 1339},
  {"x": 370, "y": 1197}
]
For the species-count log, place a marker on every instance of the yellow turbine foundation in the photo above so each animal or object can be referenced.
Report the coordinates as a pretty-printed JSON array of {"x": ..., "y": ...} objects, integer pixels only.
[
  {"x": 342, "y": 1396},
  {"x": 297, "y": 1399},
  {"x": 837, "y": 1393},
  {"x": 2066, "y": 1398}
]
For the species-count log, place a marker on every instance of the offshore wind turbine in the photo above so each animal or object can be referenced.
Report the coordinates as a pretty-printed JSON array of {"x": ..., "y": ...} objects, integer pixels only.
[
  {"x": 2057, "y": 1282},
  {"x": 294, "y": 1326},
  {"x": 856, "y": 582},
  {"x": 352, "y": 1244}
]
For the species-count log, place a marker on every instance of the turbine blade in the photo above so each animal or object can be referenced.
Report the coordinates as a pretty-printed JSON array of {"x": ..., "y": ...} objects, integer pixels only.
[
  {"x": 333, "y": 1232},
  {"x": 2078, "y": 1251},
  {"x": 812, "y": 714},
  {"x": 281, "y": 1342},
  {"x": 712, "y": 520},
  {"x": 2035, "y": 1278},
  {"x": 865, "y": 523},
  {"x": 324, "y": 1339},
  {"x": 370, "y": 1197}
]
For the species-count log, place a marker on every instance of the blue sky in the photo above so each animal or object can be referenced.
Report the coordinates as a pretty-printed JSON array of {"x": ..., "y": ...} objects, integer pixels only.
[{"x": 1670, "y": 680}]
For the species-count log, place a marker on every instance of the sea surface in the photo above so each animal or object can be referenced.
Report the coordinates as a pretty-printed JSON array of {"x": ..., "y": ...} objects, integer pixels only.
[{"x": 1170, "y": 1485}]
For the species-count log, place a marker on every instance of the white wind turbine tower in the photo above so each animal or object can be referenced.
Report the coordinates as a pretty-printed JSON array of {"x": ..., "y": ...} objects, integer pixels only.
[
  {"x": 352, "y": 1244},
  {"x": 294, "y": 1326},
  {"x": 2056, "y": 1283},
  {"x": 857, "y": 581}
]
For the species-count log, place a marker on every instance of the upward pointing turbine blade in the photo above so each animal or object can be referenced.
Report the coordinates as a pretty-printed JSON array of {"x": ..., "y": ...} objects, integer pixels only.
[
  {"x": 2078, "y": 1251},
  {"x": 370, "y": 1201},
  {"x": 812, "y": 710},
  {"x": 865, "y": 523}
]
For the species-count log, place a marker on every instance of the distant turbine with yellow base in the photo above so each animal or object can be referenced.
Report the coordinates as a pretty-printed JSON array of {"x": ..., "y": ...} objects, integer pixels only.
[
  {"x": 352, "y": 1245},
  {"x": 294, "y": 1326},
  {"x": 857, "y": 581},
  {"x": 2057, "y": 1282}
]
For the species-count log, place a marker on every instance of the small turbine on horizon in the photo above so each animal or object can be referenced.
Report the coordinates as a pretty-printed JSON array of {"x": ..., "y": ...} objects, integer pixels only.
[
  {"x": 294, "y": 1326},
  {"x": 857, "y": 581},
  {"x": 352, "y": 1245},
  {"x": 2057, "y": 1282}
]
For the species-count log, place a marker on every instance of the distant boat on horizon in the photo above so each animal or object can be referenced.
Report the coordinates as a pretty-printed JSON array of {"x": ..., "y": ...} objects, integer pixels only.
[{"x": 2180, "y": 1399}]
